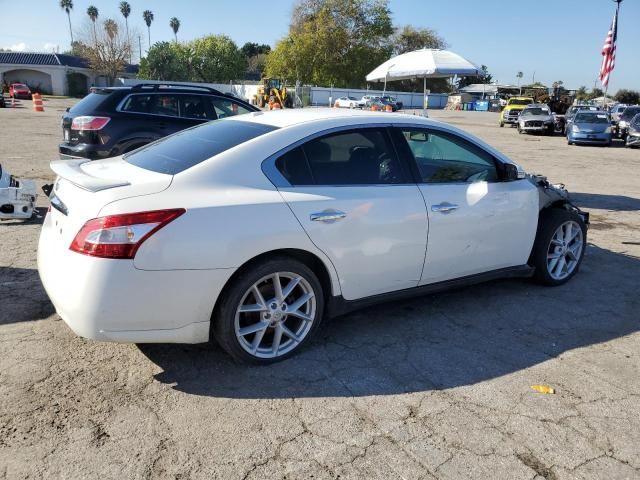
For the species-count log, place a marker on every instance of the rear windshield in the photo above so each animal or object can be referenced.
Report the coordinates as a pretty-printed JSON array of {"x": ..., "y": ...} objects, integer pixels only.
[
  {"x": 519, "y": 102},
  {"x": 183, "y": 150},
  {"x": 629, "y": 113},
  {"x": 89, "y": 104},
  {"x": 588, "y": 117}
]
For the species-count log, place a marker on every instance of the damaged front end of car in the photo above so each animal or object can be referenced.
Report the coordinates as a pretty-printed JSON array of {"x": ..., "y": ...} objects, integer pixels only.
[
  {"x": 555, "y": 196},
  {"x": 17, "y": 197}
]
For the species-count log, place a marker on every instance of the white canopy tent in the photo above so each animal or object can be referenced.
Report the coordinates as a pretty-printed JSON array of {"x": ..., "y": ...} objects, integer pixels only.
[{"x": 425, "y": 63}]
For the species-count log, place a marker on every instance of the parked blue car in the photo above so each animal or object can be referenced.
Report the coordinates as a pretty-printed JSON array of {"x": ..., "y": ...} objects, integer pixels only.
[{"x": 590, "y": 128}]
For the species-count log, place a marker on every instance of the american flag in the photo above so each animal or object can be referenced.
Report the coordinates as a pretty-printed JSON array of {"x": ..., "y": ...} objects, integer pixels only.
[{"x": 609, "y": 52}]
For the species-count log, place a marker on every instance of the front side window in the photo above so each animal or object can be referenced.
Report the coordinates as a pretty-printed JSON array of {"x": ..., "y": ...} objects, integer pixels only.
[
  {"x": 354, "y": 157},
  {"x": 225, "y": 107},
  {"x": 446, "y": 158}
]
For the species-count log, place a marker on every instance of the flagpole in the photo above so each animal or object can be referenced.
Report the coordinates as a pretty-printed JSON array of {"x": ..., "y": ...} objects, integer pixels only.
[{"x": 615, "y": 27}]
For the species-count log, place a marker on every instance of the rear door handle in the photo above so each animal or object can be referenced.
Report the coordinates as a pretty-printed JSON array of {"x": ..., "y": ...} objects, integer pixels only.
[
  {"x": 444, "y": 207},
  {"x": 328, "y": 216}
]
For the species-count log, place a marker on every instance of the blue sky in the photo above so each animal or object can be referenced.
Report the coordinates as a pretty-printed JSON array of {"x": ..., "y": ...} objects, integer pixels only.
[{"x": 558, "y": 40}]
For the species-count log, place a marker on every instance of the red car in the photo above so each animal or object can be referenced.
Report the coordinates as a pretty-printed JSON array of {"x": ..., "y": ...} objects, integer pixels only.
[{"x": 19, "y": 90}]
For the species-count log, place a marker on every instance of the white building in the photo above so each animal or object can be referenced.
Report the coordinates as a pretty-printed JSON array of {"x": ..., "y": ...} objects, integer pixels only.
[{"x": 52, "y": 73}]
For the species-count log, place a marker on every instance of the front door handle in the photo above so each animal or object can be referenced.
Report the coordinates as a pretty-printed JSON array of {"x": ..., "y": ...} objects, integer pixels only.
[
  {"x": 328, "y": 216},
  {"x": 444, "y": 207}
]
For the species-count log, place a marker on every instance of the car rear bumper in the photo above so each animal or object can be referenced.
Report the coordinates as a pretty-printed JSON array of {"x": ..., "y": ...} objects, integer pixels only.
[
  {"x": 112, "y": 300},
  {"x": 594, "y": 138},
  {"x": 83, "y": 150},
  {"x": 633, "y": 140}
]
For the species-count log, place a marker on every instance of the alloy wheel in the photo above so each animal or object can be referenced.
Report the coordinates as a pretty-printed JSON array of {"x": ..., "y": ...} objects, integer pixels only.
[
  {"x": 565, "y": 250},
  {"x": 275, "y": 315}
]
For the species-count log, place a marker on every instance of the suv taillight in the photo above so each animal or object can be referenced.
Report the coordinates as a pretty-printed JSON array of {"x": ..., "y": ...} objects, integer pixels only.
[
  {"x": 120, "y": 236},
  {"x": 89, "y": 123}
]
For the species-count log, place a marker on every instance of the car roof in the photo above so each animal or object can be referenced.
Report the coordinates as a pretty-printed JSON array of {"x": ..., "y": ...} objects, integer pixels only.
[{"x": 291, "y": 117}]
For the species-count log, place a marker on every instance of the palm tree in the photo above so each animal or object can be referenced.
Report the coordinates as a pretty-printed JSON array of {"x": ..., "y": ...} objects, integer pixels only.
[
  {"x": 174, "y": 23},
  {"x": 111, "y": 27},
  {"x": 93, "y": 15},
  {"x": 148, "y": 19},
  {"x": 67, "y": 6},
  {"x": 125, "y": 10},
  {"x": 520, "y": 75}
]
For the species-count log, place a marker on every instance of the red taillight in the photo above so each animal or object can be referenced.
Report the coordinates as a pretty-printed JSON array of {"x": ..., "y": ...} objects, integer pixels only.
[
  {"x": 120, "y": 236},
  {"x": 89, "y": 123}
]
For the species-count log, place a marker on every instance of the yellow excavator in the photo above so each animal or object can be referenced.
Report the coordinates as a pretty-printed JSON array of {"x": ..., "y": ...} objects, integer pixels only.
[{"x": 273, "y": 91}]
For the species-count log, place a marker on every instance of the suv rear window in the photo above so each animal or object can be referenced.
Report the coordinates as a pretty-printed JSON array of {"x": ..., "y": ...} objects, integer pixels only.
[
  {"x": 90, "y": 103},
  {"x": 183, "y": 150}
]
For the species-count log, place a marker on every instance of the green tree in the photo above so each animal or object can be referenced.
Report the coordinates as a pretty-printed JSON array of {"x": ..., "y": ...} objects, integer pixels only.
[
  {"x": 595, "y": 93},
  {"x": 93, "y": 15},
  {"x": 333, "y": 42},
  {"x": 67, "y": 6},
  {"x": 174, "y": 23},
  {"x": 630, "y": 97},
  {"x": 216, "y": 58},
  {"x": 485, "y": 78},
  {"x": 166, "y": 61},
  {"x": 409, "y": 38},
  {"x": 147, "y": 15},
  {"x": 251, "y": 49},
  {"x": 125, "y": 10},
  {"x": 519, "y": 76},
  {"x": 581, "y": 93}
]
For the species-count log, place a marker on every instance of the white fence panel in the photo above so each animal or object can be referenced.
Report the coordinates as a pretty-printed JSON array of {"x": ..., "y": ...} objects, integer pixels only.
[{"x": 319, "y": 95}]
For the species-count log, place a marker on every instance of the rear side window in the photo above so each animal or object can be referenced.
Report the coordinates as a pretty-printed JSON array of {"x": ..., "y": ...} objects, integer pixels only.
[
  {"x": 183, "y": 150},
  {"x": 294, "y": 167},
  {"x": 154, "y": 104},
  {"x": 228, "y": 108},
  {"x": 89, "y": 104},
  {"x": 354, "y": 157}
]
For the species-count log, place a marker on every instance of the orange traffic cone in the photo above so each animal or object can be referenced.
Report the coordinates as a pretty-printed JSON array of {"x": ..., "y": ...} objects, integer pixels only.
[
  {"x": 388, "y": 108},
  {"x": 37, "y": 102}
]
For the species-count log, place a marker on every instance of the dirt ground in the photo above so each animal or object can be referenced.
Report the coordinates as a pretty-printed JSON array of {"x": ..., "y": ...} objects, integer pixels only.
[{"x": 437, "y": 387}]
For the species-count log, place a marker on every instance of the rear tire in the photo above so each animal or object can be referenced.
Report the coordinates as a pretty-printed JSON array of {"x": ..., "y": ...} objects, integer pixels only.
[
  {"x": 559, "y": 246},
  {"x": 256, "y": 324}
]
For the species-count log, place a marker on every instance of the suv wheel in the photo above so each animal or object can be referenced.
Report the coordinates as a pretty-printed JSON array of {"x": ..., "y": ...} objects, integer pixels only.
[
  {"x": 559, "y": 246},
  {"x": 269, "y": 311}
]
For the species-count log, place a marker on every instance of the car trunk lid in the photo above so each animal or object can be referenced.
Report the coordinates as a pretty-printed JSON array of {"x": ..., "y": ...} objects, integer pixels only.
[{"x": 84, "y": 187}]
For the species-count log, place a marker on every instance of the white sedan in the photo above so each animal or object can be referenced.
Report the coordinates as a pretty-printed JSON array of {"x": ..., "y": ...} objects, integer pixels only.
[
  {"x": 346, "y": 102},
  {"x": 251, "y": 230}
]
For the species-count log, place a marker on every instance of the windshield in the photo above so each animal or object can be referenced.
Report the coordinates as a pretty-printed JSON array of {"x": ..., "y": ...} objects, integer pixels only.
[
  {"x": 535, "y": 111},
  {"x": 588, "y": 117},
  {"x": 519, "y": 102},
  {"x": 19, "y": 85},
  {"x": 630, "y": 112},
  {"x": 183, "y": 150}
]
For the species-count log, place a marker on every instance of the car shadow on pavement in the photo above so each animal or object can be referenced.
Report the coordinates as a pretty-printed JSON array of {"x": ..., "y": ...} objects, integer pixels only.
[
  {"x": 435, "y": 342},
  {"x": 620, "y": 203},
  {"x": 22, "y": 296}
]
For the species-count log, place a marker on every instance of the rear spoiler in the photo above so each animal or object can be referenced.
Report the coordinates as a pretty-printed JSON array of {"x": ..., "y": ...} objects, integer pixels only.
[{"x": 71, "y": 170}]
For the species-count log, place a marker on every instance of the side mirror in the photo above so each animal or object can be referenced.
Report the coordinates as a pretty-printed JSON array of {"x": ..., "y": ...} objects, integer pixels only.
[
  {"x": 513, "y": 172},
  {"x": 418, "y": 137}
]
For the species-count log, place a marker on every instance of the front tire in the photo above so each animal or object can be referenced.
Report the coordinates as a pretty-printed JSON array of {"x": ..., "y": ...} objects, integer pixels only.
[
  {"x": 269, "y": 311},
  {"x": 559, "y": 247}
]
